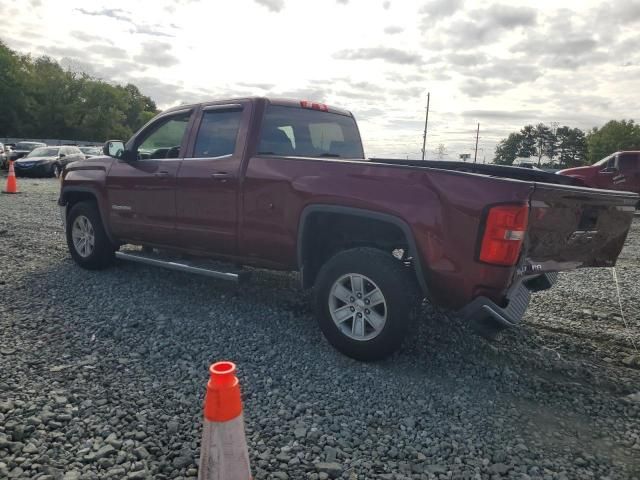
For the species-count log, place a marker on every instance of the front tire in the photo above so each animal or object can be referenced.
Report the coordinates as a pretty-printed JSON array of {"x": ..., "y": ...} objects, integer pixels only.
[
  {"x": 56, "y": 170},
  {"x": 364, "y": 301},
  {"x": 87, "y": 240}
]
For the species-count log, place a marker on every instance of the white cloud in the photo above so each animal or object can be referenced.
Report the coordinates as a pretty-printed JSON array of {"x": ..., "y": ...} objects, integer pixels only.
[
  {"x": 393, "y": 29},
  {"x": 157, "y": 54},
  {"x": 273, "y": 5},
  {"x": 438, "y": 9},
  {"x": 391, "y": 55},
  {"x": 502, "y": 64}
]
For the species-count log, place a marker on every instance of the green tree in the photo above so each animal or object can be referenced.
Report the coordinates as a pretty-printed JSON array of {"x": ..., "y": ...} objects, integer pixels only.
[
  {"x": 13, "y": 104},
  {"x": 507, "y": 149},
  {"x": 140, "y": 108},
  {"x": 103, "y": 111},
  {"x": 611, "y": 137},
  {"x": 545, "y": 142},
  {"x": 572, "y": 146},
  {"x": 528, "y": 142},
  {"x": 40, "y": 99},
  {"x": 51, "y": 93}
]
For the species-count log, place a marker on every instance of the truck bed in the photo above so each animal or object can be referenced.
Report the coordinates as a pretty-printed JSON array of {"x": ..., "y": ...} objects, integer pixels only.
[{"x": 503, "y": 171}]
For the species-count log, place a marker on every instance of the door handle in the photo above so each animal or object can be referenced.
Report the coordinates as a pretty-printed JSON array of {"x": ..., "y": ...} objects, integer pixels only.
[
  {"x": 220, "y": 176},
  {"x": 161, "y": 173}
]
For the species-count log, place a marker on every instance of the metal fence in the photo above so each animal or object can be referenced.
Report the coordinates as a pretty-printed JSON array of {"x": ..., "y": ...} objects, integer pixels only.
[{"x": 50, "y": 141}]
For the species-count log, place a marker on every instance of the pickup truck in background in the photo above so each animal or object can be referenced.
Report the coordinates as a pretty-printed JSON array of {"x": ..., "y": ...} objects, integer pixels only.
[
  {"x": 618, "y": 171},
  {"x": 285, "y": 185}
]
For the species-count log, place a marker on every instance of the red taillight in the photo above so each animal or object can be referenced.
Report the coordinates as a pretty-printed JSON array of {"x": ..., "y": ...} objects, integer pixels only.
[
  {"x": 314, "y": 105},
  {"x": 503, "y": 234}
]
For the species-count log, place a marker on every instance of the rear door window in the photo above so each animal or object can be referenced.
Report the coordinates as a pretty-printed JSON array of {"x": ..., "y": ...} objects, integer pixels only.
[
  {"x": 218, "y": 133},
  {"x": 291, "y": 131}
]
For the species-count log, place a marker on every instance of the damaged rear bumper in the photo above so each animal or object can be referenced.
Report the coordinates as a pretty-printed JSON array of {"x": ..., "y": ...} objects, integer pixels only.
[{"x": 487, "y": 317}]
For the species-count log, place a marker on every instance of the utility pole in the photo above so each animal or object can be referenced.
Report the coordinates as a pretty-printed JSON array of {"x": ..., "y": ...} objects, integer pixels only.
[
  {"x": 426, "y": 121},
  {"x": 554, "y": 139},
  {"x": 475, "y": 156}
]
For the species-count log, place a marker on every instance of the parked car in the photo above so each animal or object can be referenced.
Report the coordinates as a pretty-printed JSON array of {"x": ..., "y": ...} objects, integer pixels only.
[
  {"x": 4, "y": 156},
  {"x": 8, "y": 148},
  {"x": 285, "y": 185},
  {"x": 529, "y": 165},
  {"x": 618, "y": 171},
  {"x": 90, "y": 151},
  {"x": 47, "y": 161},
  {"x": 23, "y": 148}
]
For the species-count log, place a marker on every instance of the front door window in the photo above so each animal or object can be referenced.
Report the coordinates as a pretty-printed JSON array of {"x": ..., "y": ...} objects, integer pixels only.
[{"x": 165, "y": 138}]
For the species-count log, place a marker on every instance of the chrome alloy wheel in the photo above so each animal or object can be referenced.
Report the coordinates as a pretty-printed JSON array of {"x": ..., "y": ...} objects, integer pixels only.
[
  {"x": 84, "y": 238},
  {"x": 357, "y": 307}
]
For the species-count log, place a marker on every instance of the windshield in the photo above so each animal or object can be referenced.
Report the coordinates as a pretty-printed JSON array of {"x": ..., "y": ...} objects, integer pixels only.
[
  {"x": 44, "y": 152},
  {"x": 94, "y": 150},
  {"x": 300, "y": 132},
  {"x": 603, "y": 161}
]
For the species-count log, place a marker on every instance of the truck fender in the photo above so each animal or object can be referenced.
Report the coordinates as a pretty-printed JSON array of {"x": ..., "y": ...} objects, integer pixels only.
[
  {"x": 361, "y": 213},
  {"x": 89, "y": 191}
]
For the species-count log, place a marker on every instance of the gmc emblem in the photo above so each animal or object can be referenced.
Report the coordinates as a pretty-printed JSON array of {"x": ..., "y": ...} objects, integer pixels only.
[{"x": 582, "y": 237}]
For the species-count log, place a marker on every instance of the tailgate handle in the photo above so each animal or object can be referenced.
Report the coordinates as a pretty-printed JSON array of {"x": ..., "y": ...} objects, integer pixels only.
[{"x": 162, "y": 173}]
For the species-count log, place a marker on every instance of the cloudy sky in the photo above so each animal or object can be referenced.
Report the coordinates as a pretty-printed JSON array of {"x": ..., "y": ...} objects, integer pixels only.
[{"x": 503, "y": 64}]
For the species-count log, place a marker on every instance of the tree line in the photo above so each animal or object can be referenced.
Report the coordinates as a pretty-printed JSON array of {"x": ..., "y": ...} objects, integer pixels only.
[
  {"x": 568, "y": 147},
  {"x": 40, "y": 99}
]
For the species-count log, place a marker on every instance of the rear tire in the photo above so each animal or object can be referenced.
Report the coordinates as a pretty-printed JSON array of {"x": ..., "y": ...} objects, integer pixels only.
[
  {"x": 377, "y": 328},
  {"x": 87, "y": 240}
]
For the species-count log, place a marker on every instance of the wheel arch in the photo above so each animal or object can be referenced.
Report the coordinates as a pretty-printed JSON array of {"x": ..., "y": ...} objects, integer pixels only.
[
  {"x": 69, "y": 196},
  {"x": 305, "y": 240}
]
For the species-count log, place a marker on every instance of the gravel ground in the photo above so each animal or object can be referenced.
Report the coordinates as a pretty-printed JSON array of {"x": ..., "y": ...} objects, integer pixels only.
[{"x": 103, "y": 375}]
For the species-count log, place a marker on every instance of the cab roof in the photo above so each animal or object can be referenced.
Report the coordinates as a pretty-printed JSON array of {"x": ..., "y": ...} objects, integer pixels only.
[{"x": 286, "y": 102}]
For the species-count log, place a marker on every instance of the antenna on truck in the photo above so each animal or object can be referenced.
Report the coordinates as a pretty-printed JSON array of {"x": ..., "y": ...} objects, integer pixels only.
[{"x": 426, "y": 121}]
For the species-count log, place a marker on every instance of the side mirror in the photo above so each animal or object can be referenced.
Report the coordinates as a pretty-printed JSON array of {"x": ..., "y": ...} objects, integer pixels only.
[
  {"x": 62, "y": 155},
  {"x": 609, "y": 170},
  {"x": 114, "y": 148}
]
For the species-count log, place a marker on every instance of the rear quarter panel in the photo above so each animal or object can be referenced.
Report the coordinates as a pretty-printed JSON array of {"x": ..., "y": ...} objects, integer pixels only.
[{"x": 443, "y": 210}]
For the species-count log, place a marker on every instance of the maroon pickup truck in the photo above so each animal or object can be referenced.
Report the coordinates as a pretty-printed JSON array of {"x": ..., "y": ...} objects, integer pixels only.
[
  {"x": 618, "y": 171},
  {"x": 285, "y": 185}
]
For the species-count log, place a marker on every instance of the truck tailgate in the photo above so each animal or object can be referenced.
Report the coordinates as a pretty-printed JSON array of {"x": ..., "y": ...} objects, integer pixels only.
[{"x": 573, "y": 227}]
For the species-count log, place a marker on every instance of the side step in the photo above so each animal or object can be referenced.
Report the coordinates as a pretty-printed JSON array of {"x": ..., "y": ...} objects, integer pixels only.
[{"x": 182, "y": 265}]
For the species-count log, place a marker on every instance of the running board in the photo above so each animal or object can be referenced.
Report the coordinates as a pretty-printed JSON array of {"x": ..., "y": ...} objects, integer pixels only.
[{"x": 182, "y": 266}]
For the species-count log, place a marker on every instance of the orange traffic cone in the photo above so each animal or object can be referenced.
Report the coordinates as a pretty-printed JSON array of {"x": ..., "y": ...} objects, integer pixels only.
[
  {"x": 223, "y": 452},
  {"x": 12, "y": 184}
]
